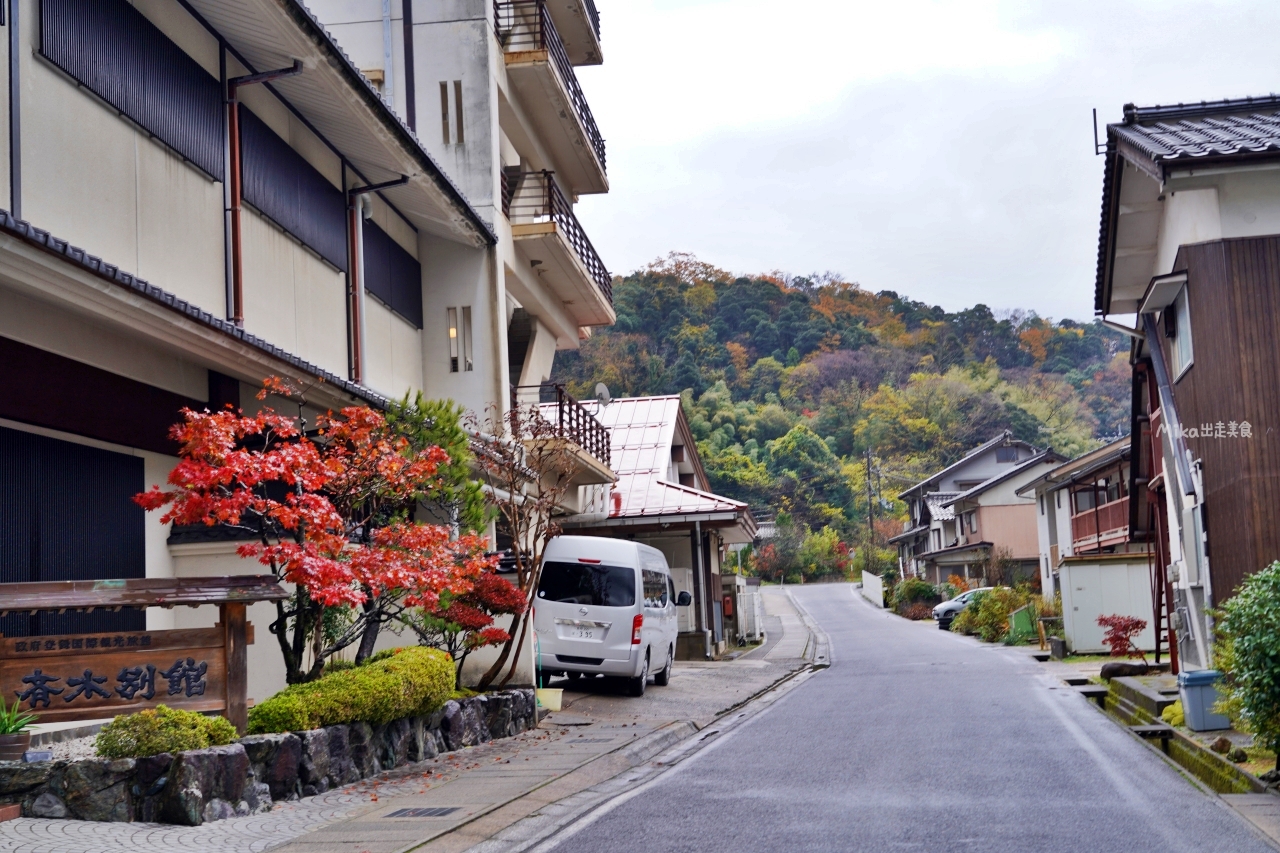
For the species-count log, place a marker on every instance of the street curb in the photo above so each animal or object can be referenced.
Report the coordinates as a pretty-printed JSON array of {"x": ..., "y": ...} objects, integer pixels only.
[
  {"x": 565, "y": 813},
  {"x": 819, "y": 642},
  {"x": 648, "y": 746}
]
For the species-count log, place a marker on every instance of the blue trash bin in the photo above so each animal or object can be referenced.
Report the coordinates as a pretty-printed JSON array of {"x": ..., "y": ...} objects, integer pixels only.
[{"x": 1198, "y": 697}]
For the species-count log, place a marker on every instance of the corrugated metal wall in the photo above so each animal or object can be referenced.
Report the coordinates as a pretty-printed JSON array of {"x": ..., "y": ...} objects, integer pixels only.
[
  {"x": 121, "y": 57},
  {"x": 391, "y": 274},
  {"x": 66, "y": 514},
  {"x": 280, "y": 183}
]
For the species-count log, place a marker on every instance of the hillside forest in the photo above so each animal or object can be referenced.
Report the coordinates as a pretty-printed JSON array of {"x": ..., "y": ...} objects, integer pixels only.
[{"x": 794, "y": 386}]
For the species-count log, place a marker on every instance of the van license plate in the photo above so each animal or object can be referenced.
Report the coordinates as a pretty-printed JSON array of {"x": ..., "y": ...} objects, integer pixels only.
[{"x": 580, "y": 629}]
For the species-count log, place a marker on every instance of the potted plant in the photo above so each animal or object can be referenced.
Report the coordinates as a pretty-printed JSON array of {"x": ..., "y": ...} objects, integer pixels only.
[{"x": 14, "y": 737}]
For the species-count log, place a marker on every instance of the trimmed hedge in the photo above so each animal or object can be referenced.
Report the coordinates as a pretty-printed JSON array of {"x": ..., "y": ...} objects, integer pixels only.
[
  {"x": 161, "y": 729},
  {"x": 398, "y": 683}
]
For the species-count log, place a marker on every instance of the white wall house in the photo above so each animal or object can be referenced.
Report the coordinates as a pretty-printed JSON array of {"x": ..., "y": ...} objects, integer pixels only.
[
  {"x": 130, "y": 286},
  {"x": 491, "y": 91},
  {"x": 1086, "y": 553},
  {"x": 966, "y": 513}
]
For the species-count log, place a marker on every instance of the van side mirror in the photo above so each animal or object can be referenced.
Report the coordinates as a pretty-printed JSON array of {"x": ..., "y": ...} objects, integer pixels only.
[{"x": 684, "y": 599}]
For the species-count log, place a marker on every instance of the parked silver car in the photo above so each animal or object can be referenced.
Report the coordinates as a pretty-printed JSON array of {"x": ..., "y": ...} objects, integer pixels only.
[{"x": 948, "y": 610}]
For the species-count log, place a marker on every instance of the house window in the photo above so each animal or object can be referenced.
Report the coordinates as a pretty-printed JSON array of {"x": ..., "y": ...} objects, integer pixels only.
[
  {"x": 937, "y": 539},
  {"x": 971, "y": 518},
  {"x": 460, "y": 339},
  {"x": 1006, "y": 454},
  {"x": 392, "y": 275},
  {"x": 1178, "y": 327}
]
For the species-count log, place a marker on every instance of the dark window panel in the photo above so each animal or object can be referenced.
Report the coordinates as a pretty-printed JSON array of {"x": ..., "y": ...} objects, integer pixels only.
[
  {"x": 280, "y": 183},
  {"x": 66, "y": 514},
  {"x": 120, "y": 56},
  {"x": 391, "y": 274}
]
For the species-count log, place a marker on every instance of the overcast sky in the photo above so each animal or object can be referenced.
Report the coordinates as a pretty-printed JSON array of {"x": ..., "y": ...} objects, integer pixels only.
[{"x": 942, "y": 150}]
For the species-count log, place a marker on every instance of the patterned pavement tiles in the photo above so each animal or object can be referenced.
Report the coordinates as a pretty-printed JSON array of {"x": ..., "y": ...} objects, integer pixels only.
[{"x": 257, "y": 833}]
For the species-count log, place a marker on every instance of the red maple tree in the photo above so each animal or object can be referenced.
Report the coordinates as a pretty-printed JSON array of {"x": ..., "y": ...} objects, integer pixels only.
[
  {"x": 330, "y": 512},
  {"x": 460, "y": 624},
  {"x": 1120, "y": 633}
]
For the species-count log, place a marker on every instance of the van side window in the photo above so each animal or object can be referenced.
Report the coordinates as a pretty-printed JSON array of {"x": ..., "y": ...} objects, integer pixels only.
[
  {"x": 655, "y": 589},
  {"x": 671, "y": 588}
]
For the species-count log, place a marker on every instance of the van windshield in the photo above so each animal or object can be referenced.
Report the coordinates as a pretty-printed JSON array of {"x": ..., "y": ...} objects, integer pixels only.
[{"x": 578, "y": 583}]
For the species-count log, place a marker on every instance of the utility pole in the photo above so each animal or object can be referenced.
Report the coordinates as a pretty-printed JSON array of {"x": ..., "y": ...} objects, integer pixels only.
[{"x": 871, "y": 517}]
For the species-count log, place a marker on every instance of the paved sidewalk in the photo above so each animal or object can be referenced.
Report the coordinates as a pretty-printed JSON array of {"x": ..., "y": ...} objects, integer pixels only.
[{"x": 464, "y": 798}]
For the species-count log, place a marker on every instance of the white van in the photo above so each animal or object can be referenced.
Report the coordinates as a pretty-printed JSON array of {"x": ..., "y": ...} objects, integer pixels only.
[{"x": 608, "y": 607}]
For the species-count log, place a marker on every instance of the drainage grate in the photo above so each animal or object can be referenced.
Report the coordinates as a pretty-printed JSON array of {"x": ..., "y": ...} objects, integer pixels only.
[
  {"x": 591, "y": 740},
  {"x": 436, "y": 812}
]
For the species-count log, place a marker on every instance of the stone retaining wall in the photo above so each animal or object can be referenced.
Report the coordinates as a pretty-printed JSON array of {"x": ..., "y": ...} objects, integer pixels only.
[{"x": 249, "y": 775}]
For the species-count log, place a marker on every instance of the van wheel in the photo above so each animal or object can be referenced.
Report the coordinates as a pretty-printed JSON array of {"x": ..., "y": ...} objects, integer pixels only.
[
  {"x": 573, "y": 676},
  {"x": 663, "y": 678},
  {"x": 635, "y": 686}
]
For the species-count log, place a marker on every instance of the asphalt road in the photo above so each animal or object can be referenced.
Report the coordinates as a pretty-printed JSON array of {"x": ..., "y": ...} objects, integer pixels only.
[{"x": 916, "y": 739}]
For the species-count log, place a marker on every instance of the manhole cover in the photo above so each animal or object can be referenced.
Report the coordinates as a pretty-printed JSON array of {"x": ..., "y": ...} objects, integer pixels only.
[{"x": 435, "y": 812}]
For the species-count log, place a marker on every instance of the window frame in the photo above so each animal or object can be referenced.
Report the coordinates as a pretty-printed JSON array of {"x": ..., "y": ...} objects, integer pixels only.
[{"x": 1182, "y": 339}]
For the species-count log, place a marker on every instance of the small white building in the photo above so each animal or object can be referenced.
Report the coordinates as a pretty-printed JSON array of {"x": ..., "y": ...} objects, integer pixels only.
[
  {"x": 1086, "y": 553},
  {"x": 967, "y": 514}
]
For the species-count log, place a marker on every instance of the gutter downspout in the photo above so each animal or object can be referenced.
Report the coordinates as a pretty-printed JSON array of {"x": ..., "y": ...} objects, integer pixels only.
[
  {"x": 702, "y": 588},
  {"x": 410, "y": 95},
  {"x": 357, "y": 203},
  {"x": 237, "y": 190},
  {"x": 15, "y": 110},
  {"x": 388, "y": 75}
]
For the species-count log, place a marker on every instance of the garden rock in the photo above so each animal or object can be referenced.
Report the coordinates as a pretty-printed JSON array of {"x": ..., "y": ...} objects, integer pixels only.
[
  {"x": 363, "y": 744},
  {"x": 1122, "y": 670},
  {"x": 257, "y": 798},
  {"x": 17, "y": 777},
  {"x": 342, "y": 770},
  {"x": 313, "y": 769},
  {"x": 394, "y": 742},
  {"x": 200, "y": 776},
  {"x": 1221, "y": 746},
  {"x": 99, "y": 789},
  {"x": 1238, "y": 755},
  {"x": 422, "y": 740},
  {"x": 48, "y": 805},
  {"x": 462, "y": 724},
  {"x": 498, "y": 715},
  {"x": 275, "y": 760},
  {"x": 149, "y": 777}
]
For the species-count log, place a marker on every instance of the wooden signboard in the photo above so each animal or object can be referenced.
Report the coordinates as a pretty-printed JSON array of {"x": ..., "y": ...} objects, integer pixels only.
[{"x": 92, "y": 676}]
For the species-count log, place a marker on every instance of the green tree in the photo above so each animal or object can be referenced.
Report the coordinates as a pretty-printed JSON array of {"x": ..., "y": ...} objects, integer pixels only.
[{"x": 1249, "y": 626}]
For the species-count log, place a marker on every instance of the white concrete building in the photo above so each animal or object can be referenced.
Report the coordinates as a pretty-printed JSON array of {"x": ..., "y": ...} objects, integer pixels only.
[
  {"x": 152, "y": 258},
  {"x": 490, "y": 89}
]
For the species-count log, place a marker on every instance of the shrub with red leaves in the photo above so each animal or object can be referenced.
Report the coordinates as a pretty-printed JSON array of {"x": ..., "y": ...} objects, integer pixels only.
[
  {"x": 1120, "y": 633},
  {"x": 460, "y": 624}
]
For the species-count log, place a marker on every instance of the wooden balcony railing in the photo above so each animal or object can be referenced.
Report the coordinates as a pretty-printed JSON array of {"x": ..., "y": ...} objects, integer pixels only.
[
  {"x": 534, "y": 197},
  {"x": 1107, "y": 524},
  {"x": 526, "y": 25},
  {"x": 571, "y": 418}
]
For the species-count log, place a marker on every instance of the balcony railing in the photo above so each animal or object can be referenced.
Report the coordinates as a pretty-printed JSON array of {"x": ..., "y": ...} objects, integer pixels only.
[
  {"x": 526, "y": 25},
  {"x": 532, "y": 197},
  {"x": 594, "y": 15},
  {"x": 1111, "y": 519},
  {"x": 571, "y": 419}
]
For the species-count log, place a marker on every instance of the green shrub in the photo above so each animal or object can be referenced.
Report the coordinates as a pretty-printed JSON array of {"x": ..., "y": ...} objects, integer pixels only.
[
  {"x": 1245, "y": 652},
  {"x": 1172, "y": 714},
  {"x": 914, "y": 591},
  {"x": 392, "y": 684},
  {"x": 161, "y": 729},
  {"x": 988, "y": 613},
  {"x": 964, "y": 623}
]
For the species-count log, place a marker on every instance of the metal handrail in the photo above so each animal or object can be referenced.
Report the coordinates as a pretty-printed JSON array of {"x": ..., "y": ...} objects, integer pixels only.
[
  {"x": 594, "y": 15},
  {"x": 529, "y": 197},
  {"x": 527, "y": 25},
  {"x": 571, "y": 419}
]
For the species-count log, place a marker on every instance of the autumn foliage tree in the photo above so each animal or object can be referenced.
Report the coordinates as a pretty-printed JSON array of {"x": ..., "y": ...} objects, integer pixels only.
[
  {"x": 460, "y": 624},
  {"x": 330, "y": 512},
  {"x": 1121, "y": 630},
  {"x": 528, "y": 466}
]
